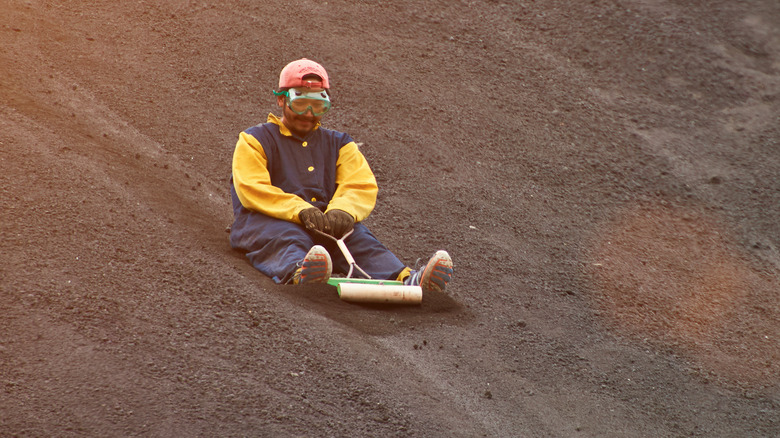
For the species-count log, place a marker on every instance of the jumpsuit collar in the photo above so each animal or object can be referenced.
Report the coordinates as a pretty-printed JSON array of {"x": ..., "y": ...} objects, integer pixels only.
[{"x": 276, "y": 120}]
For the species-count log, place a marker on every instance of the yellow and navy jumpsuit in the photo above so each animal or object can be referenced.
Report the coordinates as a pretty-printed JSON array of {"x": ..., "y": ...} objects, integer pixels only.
[{"x": 277, "y": 174}]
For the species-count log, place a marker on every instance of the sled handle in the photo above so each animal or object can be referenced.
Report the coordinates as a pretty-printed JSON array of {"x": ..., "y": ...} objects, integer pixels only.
[{"x": 345, "y": 251}]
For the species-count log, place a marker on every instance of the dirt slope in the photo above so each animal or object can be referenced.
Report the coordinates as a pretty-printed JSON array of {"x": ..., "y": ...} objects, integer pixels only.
[{"x": 604, "y": 174}]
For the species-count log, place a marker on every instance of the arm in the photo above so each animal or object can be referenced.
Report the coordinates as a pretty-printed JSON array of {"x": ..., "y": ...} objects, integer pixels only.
[
  {"x": 253, "y": 183},
  {"x": 356, "y": 186}
]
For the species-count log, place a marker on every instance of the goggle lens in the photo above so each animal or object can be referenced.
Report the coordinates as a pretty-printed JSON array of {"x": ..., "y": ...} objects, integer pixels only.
[{"x": 302, "y": 106}]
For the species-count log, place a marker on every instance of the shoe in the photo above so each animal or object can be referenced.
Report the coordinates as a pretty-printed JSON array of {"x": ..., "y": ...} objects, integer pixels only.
[
  {"x": 316, "y": 267},
  {"x": 435, "y": 275}
]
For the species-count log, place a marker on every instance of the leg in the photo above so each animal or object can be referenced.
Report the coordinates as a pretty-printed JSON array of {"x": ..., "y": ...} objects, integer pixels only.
[
  {"x": 369, "y": 254},
  {"x": 273, "y": 246}
]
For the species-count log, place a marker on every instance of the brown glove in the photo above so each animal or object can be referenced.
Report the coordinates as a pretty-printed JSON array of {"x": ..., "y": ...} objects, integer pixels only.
[
  {"x": 340, "y": 222},
  {"x": 313, "y": 219}
]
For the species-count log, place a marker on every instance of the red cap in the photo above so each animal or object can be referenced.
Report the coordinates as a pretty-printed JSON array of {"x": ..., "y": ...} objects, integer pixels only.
[{"x": 293, "y": 73}]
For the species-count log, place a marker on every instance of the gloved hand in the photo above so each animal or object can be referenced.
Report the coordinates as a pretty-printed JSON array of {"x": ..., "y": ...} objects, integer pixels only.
[
  {"x": 340, "y": 222},
  {"x": 313, "y": 219}
]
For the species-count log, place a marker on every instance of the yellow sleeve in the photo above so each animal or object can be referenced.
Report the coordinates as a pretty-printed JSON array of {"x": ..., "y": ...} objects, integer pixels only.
[
  {"x": 356, "y": 187},
  {"x": 253, "y": 183}
]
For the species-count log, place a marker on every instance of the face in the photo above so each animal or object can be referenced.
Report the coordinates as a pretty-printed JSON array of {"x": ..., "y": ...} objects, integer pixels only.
[{"x": 299, "y": 124}]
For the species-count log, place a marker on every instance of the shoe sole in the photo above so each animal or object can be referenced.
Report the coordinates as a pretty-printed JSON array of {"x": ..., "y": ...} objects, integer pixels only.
[
  {"x": 437, "y": 273},
  {"x": 317, "y": 266}
]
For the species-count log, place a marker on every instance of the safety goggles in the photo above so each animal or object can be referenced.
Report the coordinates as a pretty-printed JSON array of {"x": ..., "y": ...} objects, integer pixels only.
[{"x": 302, "y": 100}]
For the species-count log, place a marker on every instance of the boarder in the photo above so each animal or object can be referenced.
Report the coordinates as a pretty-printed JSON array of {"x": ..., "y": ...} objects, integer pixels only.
[{"x": 292, "y": 178}]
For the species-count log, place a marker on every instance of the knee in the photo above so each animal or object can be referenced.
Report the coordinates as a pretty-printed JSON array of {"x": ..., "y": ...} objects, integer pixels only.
[{"x": 261, "y": 231}]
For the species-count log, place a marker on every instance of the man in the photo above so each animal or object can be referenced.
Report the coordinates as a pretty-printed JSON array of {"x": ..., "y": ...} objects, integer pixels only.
[{"x": 292, "y": 179}]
